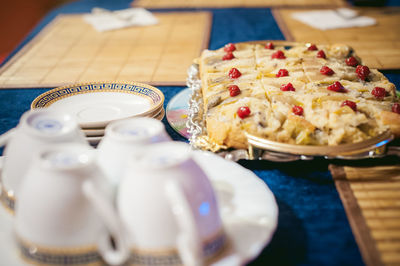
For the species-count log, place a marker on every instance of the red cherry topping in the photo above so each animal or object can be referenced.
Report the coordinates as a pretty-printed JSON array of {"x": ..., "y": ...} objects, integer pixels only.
[
  {"x": 230, "y": 47},
  {"x": 269, "y": 45},
  {"x": 234, "y": 73},
  {"x": 379, "y": 92},
  {"x": 350, "y": 104},
  {"x": 351, "y": 61},
  {"x": 312, "y": 47},
  {"x": 337, "y": 86},
  {"x": 278, "y": 55},
  {"x": 234, "y": 90},
  {"x": 362, "y": 72},
  {"x": 282, "y": 73},
  {"x": 326, "y": 71},
  {"x": 243, "y": 112},
  {"x": 396, "y": 108},
  {"x": 287, "y": 87},
  {"x": 297, "y": 110},
  {"x": 228, "y": 56},
  {"x": 321, "y": 54}
]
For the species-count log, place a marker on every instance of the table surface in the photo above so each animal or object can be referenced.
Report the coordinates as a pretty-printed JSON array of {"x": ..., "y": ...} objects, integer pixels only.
[{"x": 313, "y": 228}]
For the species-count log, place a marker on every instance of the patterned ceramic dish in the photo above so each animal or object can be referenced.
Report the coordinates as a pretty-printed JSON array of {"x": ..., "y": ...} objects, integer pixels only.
[{"x": 97, "y": 104}]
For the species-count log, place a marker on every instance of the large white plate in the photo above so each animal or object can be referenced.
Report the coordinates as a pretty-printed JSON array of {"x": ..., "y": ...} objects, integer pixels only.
[
  {"x": 248, "y": 211},
  {"x": 96, "y": 104},
  {"x": 248, "y": 208}
]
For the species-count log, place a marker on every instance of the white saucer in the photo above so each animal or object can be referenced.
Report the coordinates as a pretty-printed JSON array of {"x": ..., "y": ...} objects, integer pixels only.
[
  {"x": 160, "y": 115},
  {"x": 93, "y": 136},
  {"x": 96, "y": 104},
  {"x": 248, "y": 211},
  {"x": 94, "y": 132}
]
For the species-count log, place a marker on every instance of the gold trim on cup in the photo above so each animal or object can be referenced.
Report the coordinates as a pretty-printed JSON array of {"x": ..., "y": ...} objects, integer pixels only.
[
  {"x": 213, "y": 247},
  {"x": 7, "y": 199},
  {"x": 40, "y": 255}
]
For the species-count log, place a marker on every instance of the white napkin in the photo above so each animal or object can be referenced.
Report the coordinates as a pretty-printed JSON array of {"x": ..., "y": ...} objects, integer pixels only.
[
  {"x": 104, "y": 20},
  {"x": 333, "y": 19}
]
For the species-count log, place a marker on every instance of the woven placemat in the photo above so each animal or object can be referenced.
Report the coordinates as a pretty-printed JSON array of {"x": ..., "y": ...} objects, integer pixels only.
[
  {"x": 371, "y": 198},
  {"x": 69, "y": 50},
  {"x": 378, "y": 45},
  {"x": 233, "y": 3}
]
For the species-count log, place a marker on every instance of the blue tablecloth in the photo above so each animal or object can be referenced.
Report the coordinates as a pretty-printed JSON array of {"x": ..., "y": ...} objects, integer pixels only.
[{"x": 313, "y": 228}]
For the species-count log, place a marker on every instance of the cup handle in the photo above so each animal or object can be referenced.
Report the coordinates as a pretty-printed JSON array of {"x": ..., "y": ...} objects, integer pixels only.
[
  {"x": 188, "y": 242},
  {"x": 112, "y": 255},
  {"x": 5, "y": 137}
]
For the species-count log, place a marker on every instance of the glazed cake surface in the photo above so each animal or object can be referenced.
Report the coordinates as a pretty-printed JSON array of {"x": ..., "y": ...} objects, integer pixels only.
[{"x": 303, "y": 94}]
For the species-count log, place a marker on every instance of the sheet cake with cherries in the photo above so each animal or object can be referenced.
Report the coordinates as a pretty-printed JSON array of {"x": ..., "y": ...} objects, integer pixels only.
[{"x": 303, "y": 94}]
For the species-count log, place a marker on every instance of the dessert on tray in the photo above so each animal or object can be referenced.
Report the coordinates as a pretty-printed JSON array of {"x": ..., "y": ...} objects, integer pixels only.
[{"x": 303, "y": 94}]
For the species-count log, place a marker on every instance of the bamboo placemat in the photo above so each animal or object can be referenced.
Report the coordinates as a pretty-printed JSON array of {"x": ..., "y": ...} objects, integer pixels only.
[
  {"x": 233, "y": 3},
  {"x": 378, "y": 45},
  {"x": 69, "y": 50},
  {"x": 371, "y": 198}
]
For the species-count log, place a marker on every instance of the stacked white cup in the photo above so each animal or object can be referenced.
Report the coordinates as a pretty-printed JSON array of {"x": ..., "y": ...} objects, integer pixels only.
[
  {"x": 145, "y": 190},
  {"x": 168, "y": 208},
  {"x": 124, "y": 138},
  {"x": 37, "y": 129},
  {"x": 59, "y": 214},
  {"x": 164, "y": 200}
]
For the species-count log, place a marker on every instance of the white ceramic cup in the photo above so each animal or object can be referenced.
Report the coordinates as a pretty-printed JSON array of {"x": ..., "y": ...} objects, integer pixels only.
[
  {"x": 36, "y": 130},
  {"x": 59, "y": 215},
  {"x": 168, "y": 208},
  {"x": 125, "y": 137}
]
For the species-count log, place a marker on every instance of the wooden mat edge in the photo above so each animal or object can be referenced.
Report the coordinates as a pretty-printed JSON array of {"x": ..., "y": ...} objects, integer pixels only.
[
  {"x": 282, "y": 24},
  {"x": 47, "y": 27},
  {"x": 207, "y": 37},
  {"x": 288, "y": 33},
  {"x": 359, "y": 227},
  {"x": 28, "y": 46},
  {"x": 56, "y": 85}
]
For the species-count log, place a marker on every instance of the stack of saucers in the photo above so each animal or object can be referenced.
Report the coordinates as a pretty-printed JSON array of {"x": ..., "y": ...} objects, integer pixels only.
[{"x": 95, "y": 105}]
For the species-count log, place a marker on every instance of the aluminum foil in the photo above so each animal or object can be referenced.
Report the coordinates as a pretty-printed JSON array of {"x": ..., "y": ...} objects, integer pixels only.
[
  {"x": 198, "y": 131},
  {"x": 195, "y": 123}
]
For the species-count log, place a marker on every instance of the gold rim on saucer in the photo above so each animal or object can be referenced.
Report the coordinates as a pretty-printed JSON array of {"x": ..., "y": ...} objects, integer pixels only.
[
  {"x": 95, "y": 135},
  {"x": 160, "y": 115},
  {"x": 153, "y": 95}
]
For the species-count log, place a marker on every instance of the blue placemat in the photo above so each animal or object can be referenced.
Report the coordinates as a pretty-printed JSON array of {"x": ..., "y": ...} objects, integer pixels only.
[{"x": 313, "y": 228}]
